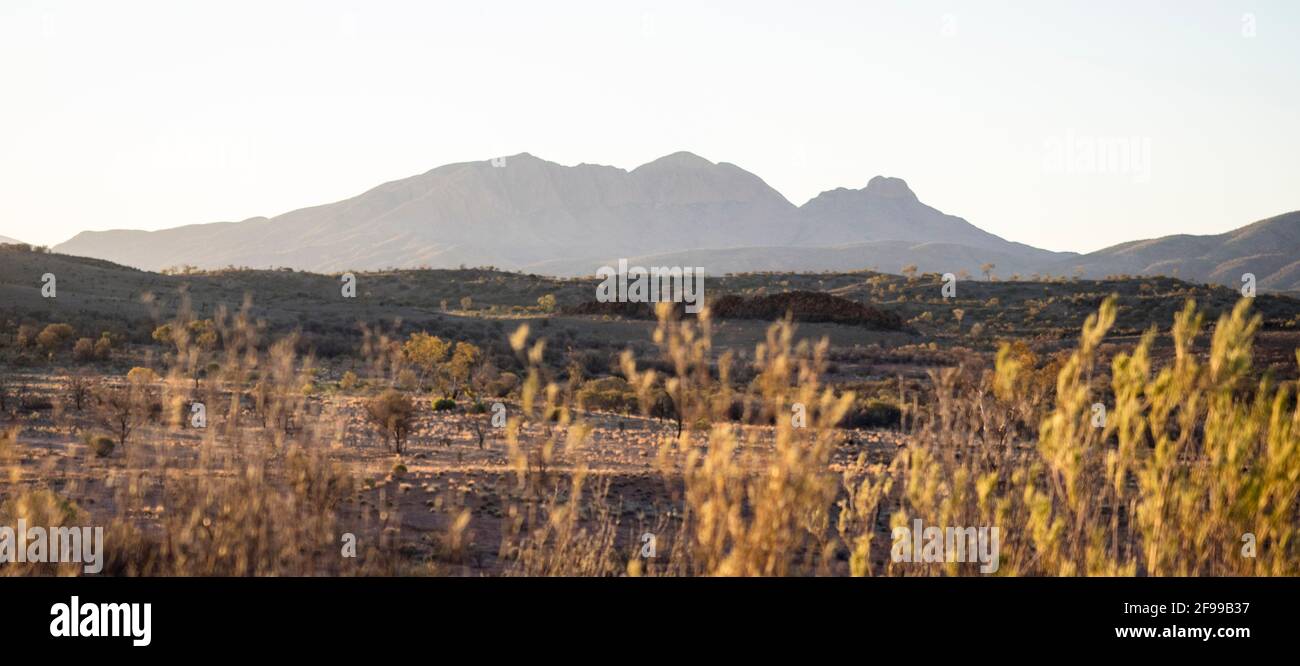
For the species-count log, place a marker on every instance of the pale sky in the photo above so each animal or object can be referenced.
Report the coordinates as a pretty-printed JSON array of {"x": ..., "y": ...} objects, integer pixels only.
[{"x": 150, "y": 115}]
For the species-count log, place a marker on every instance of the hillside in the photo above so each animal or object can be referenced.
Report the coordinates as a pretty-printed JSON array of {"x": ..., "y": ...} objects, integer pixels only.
[
  {"x": 1270, "y": 249},
  {"x": 98, "y": 296}
]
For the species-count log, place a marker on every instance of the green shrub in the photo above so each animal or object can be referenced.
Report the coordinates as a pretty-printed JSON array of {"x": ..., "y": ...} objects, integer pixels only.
[
  {"x": 101, "y": 445},
  {"x": 444, "y": 405}
]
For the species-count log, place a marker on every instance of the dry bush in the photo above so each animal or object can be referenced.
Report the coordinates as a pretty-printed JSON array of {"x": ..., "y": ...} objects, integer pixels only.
[
  {"x": 84, "y": 350},
  {"x": 565, "y": 536},
  {"x": 81, "y": 387},
  {"x": 393, "y": 413},
  {"x": 124, "y": 408},
  {"x": 55, "y": 337},
  {"x": 749, "y": 510},
  {"x": 1190, "y": 459}
]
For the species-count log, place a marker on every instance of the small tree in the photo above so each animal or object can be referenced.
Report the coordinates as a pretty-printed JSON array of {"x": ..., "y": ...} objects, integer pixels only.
[
  {"x": 987, "y": 270},
  {"x": 54, "y": 337},
  {"x": 26, "y": 336},
  {"x": 483, "y": 378},
  {"x": 547, "y": 303},
  {"x": 455, "y": 374},
  {"x": 104, "y": 348},
  {"x": 84, "y": 350},
  {"x": 393, "y": 413},
  {"x": 80, "y": 386},
  {"x": 163, "y": 335},
  {"x": 425, "y": 352},
  {"x": 202, "y": 334},
  {"x": 481, "y": 424},
  {"x": 122, "y": 409}
]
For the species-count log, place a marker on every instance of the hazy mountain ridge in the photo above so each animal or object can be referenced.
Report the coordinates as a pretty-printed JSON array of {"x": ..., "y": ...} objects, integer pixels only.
[
  {"x": 522, "y": 212},
  {"x": 526, "y": 211},
  {"x": 1269, "y": 249}
]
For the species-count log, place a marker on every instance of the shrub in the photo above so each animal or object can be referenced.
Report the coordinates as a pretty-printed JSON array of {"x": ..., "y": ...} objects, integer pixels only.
[
  {"x": 444, "y": 404},
  {"x": 809, "y": 306},
  {"x": 163, "y": 334},
  {"x": 35, "y": 403},
  {"x": 502, "y": 385},
  {"x": 393, "y": 413},
  {"x": 873, "y": 414},
  {"x": 84, "y": 350},
  {"x": 139, "y": 375},
  {"x": 611, "y": 394},
  {"x": 408, "y": 380},
  {"x": 349, "y": 381},
  {"x": 26, "y": 336},
  {"x": 54, "y": 337},
  {"x": 101, "y": 445}
]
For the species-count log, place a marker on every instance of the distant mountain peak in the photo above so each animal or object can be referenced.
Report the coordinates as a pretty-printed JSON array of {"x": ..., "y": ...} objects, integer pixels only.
[
  {"x": 886, "y": 187},
  {"x": 520, "y": 210},
  {"x": 681, "y": 159},
  {"x": 504, "y": 160}
]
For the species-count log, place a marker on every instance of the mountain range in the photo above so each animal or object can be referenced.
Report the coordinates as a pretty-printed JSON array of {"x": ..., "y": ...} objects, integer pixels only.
[{"x": 525, "y": 213}]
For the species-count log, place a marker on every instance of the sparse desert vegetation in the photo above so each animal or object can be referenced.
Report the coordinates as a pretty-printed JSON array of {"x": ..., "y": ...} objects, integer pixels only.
[{"x": 212, "y": 434}]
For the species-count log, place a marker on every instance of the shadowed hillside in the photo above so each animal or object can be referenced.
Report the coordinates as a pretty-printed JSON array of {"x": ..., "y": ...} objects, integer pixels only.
[{"x": 1269, "y": 249}]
